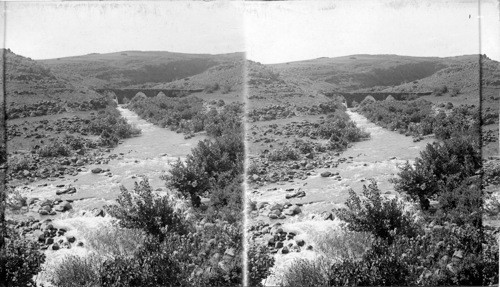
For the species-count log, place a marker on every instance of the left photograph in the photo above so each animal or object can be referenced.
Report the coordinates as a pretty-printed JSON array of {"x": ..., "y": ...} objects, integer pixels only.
[{"x": 123, "y": 144}]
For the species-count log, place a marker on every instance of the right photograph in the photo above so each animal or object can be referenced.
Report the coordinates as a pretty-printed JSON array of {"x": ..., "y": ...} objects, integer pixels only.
[{"x": 372, "y": 143}]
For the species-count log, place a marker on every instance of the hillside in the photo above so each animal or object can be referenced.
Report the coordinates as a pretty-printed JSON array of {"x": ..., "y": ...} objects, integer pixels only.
[
  {"x": 228, "y": 76},
  {"x": 128, "y": 68},
  {"x": 26, "y": 76},
  {"x": 391, "y": 72},
  {"x": 29, "y": 82}
]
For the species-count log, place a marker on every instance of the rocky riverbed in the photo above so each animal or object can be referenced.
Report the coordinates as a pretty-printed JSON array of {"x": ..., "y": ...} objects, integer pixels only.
[
  {"x": 60, "y": 210},
  {"x": 291, "y": 202}
]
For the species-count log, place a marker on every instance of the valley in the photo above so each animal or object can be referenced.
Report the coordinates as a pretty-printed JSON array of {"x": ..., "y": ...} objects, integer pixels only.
[{"x": 136, "y": 167}]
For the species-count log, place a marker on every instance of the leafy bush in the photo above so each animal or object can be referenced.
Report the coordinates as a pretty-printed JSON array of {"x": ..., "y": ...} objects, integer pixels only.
[
  {"x": 454, "y": 92},
  {"x": 400, "y": 115},
  {"x": 110, "y": 126},
  {"x": 260, "y": 262},
  {"x": 344, "y": 243},
  {"x": 440, "y": 167},
  {"x": 115, "y": 240},
  {"x": 187, "y": 256},
  {"x": 304, "y": 272},
  {"x": 439, "y": 91},
  {"x": 283, "y": 154},
  {"x": 145, "y": 210},
  {"x": 76, "y": 271},
  {"x": 226, "y": 202},
  {"x": 20, "y": 260},
  {"x": 54, "y": 149},
  {"x": 151, "y": 265},
  {"x": 211, "y": 88},
  {"x": 19, "y": 162},
  {"x": 371, "y": 213}
]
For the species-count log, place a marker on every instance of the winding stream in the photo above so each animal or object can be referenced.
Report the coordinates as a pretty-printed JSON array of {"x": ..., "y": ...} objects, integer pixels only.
[
  {"x": 377, "y": 158},
  {"x": 149, "y": 154}
]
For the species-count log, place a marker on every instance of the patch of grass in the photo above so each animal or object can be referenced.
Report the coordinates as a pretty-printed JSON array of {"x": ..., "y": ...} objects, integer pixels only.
[
  {"x": 344, "y": 244},
  {"x": 115, "y": 241},
  {"x": 304, "y": 272},
  {"x": 77, "y": 270}
]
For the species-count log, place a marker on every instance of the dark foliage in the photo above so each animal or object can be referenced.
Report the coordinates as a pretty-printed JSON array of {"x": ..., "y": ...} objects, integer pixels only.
[
  {"x": 260, "y": 262},
  {"x": 371, "y": 213},
  {"x": 20, "y": 260},
  {"x": 145, "y": 210},
  {"x": 417, "y": 118},
  {"x": 441, "y": 167}
]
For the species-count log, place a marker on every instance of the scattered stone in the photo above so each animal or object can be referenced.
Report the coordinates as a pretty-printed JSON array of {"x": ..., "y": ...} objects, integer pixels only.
[
  {"x": 97, "y": 170},
  {"x": 326, "y": 174},
  {"x": 284, "y": 250}
]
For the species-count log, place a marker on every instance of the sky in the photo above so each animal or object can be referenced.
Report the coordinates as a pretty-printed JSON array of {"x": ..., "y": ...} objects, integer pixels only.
[
  {"x": 281, "y": 32},
  {"x": 52, "y": 30},
  {"x": 270, "y": 32}
]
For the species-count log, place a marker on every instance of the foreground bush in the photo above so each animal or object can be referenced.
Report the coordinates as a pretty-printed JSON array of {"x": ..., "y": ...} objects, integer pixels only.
[
  {"x": 441, "y": 167},
  {"x": 76, "y": 271},
  {"x": 20, "y": 260},
  {"x": 143, "y": 209},
  {"x": 304, "y": 272},
  {"x": 259, "y": 264},
  {"x": 214, "y": 163},
  {"x": 372, "y": 213}
]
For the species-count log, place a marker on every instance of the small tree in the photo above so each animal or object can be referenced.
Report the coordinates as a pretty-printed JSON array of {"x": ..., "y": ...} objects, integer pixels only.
[
  {"x": 440, "y": 167},
  {"x": 372, "y": 213},
  {"x": 145, "y": 210}
]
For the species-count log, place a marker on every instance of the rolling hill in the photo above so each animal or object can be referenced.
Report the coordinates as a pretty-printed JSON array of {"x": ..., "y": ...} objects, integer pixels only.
[
  {"x": 133, "y": 68},
  {"x": 392, "y": 73}
]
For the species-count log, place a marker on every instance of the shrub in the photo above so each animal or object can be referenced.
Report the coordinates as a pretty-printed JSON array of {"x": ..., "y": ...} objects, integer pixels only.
[
  {"x": 213, "y": 163},
  {"x": 304, "y": 272},
  {"x": 20, "y": 260},
  {"x": 145, "y": 210},
  {"x": 54, "y": 149},
  {"x": 440, "y": 167},
  {"x": 226, "y": 202},
  {"x": 283, "y": 154},
  {"x": 415, "y": 116},
  {"x": 19, "y": 162},
  {"x": 111, "y": 127},
  {"x": 454, "y": 92},
  {"x": 260, "y": 262},
  {"x": 211, "y": 88},
  {"x": 344, "y": 244},
  {"x": 76, "y": 271},
  {"x": 115, "y": 241},
  {"x": 226, "y": 88},
  {"x": 371, "y": 213},
  {"x": 151, "y": 265},
  {"x": 439, "y": 91}
]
